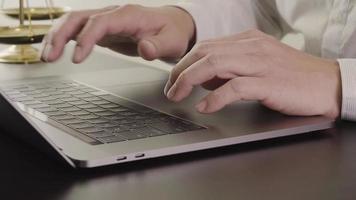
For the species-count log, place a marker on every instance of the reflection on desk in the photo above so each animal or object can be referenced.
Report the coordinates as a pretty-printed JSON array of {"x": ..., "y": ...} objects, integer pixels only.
[{"x": 310, "y": 166}]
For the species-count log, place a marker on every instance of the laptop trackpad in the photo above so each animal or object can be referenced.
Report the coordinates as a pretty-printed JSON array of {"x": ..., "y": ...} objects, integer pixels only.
[{"x": 126, "y": 76}]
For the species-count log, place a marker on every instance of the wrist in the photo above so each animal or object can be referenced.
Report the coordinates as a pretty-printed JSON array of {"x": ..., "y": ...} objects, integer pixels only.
[
  {"x": 184, "y": 22},
  {"x": 335, "y": 109}
]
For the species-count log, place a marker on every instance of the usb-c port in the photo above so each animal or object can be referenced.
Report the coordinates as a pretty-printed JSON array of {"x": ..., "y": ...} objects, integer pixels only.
[
  {"x": 121, "y": 158},
  {"x": 140, "y": 155}
]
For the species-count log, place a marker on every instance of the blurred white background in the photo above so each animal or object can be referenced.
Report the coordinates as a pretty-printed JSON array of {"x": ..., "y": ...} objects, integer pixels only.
[
  {"x": 78, "y": 5},
  {"x": 75, "y": 5}
]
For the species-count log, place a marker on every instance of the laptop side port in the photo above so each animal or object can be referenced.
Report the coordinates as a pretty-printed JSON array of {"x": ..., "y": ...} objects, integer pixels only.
[
  {"x": 140, "y": 155},
  {"x": 121, "y": 158}
]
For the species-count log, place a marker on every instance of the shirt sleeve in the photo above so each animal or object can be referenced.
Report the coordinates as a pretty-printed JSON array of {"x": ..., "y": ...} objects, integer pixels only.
[
  {"x": 216, "y": 18},
  {"x": 348, "y": 81}
]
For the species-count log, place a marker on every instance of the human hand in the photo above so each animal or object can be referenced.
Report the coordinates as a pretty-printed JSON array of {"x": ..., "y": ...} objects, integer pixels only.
[
  {"x": 255, "y": 66},
  {"x": 161, "y": 32}
]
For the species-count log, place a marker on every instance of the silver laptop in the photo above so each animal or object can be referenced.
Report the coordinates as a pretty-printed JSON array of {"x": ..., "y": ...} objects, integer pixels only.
[{"x": 119, "y": 114}]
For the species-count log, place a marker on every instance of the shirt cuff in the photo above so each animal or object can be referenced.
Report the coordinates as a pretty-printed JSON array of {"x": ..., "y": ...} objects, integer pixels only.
[{"x": 348, "y": 79}]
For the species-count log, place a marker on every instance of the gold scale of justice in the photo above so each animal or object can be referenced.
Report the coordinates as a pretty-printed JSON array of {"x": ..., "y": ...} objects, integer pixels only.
[{"x": 22, "y": 36}]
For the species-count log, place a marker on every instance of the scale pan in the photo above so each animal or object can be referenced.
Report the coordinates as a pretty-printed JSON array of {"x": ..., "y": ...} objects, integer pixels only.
[
  {"x": 37, "y": 13},
  {"x": 23, "y": 34}
]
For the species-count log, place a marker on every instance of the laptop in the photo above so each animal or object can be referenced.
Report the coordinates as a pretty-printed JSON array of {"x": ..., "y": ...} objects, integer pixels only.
[{"x": 113, "y": 111}]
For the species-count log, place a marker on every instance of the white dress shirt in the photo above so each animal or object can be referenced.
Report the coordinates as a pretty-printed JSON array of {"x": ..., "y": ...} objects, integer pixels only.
[{"x": 325, "y": 28}]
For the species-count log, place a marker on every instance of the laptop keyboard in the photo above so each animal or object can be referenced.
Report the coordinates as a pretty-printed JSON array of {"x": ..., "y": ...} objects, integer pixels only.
[{"x": 99, "y": 117}]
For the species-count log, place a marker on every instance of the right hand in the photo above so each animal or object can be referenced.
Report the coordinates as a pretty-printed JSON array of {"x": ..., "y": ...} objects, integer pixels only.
[{"x": 161, "y": 32}]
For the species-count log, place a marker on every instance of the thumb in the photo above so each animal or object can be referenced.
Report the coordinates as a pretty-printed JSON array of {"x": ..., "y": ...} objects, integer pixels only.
[{"x": 166, "y": 44}]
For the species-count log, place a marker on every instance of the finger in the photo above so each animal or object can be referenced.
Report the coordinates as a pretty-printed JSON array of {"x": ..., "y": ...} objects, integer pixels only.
[
  {"x": 244, "y": 43},
  {"x": 116, "y": 22},
  {"x": 162, "y": 45},
  {"x": 210, "y": 67},
  {"x": 95, "y": 28},
  {"x": 63, "y": 31},
  {"x": 238, "y": 89},
  {"x": 197, "y": 53}
]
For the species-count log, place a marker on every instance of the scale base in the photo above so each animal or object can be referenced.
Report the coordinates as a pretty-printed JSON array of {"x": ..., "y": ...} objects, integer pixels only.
[{"x": 20, "y": 54}]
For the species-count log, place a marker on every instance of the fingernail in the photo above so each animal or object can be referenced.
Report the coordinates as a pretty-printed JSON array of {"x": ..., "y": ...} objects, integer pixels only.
[
  {"x": 202, "y": 106},
  {"x": 167, "y": 87},
  {"x": 172, "y": 92},
  {"x": 46, "y": 51},
  {"x": 78, "y": 54}
]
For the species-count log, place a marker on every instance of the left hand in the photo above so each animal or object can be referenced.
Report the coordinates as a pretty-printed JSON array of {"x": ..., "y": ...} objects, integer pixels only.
[{"x": 254, "y": 66}]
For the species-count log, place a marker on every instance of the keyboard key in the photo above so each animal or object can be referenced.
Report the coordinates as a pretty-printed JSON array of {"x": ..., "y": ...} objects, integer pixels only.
[
  {"x": 71, "y": 121},
  {"x": 76, "y": 92},
  {"x": 128, "y": 113},
  {"x": 54, "y": 93},
  {"x": 112, "y": 139},
  {"x": 70, "y": 99},
  {"x": 87, "y": 89},
  {"x": 167, "y": 127},
  {"x": 88, "y": 117},
  {"x": 107, "y": 125},
  {"x": 41, "y": 95},
  {"x": 54, "y": 113},
  {"x": 53, "y": 102},
  {"x": 80, "y": 112},
  {"x": 119, "y": 109},
  {"x": 17, "y": 87},
  {"x": 101, "y": 134},
  {"x": 80, "y": 102},
  {"x": 91, "y": 130},
  {"x": 62, "y": 117},
  {"x": 31, "y": 93},
  {"x": 61, "y": 96},
  {"x": 27, "y": 89},
  {"x": 70, "y": 89},
  {"x": 39, "y": 106},
  {"x": 25, "y": 98},
  {"x": 95, "y": 110},
  {"x": 188, "y": 126},
  {"x": 13, "y": 92},
  {"x": 86, "y": 106},
  {"x": 94, "y": 98},
  {"x": 115, "y": 117},
  {"x": 46, "y": 109},
  {"x": 98, "y": 121},
  {"x": 48, "y": 90},
  {"x": 151, "y": 132},
  {"x": 139, "y": 117},
  {"x": 80, "y": 125},
  {"x": 16, "y": 96},
  {"x": 117, "y": 129},
  {"x": 134, "y": 125},
  {"x": 61, "y": 86},
  {"x": 62, "y": 105},
  {"x": 123, "y": 121},
  {"x": 133, "y": 135},
  {"x": 45, "y": 99},
  {"x": 71, "y": 109},
  {"x": 31, "y": 102},
  {"x": 100, "y": 102},
  {"x": 105, "y": 113},
  {"x": 110, "y": 105},
  {"x": 83, "y": 95}
]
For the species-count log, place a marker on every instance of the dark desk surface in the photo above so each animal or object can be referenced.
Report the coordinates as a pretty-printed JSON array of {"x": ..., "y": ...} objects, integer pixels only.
[{"x": 314, "y": 166}]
